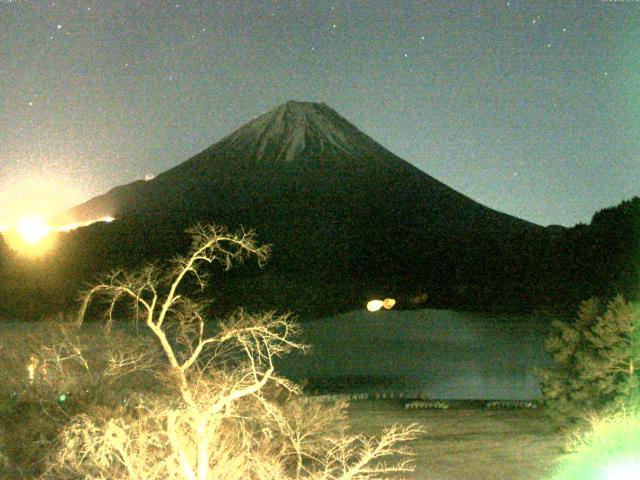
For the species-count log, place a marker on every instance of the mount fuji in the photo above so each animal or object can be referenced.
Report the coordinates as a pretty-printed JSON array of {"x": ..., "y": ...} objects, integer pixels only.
[{"x": 347, "y": 218}]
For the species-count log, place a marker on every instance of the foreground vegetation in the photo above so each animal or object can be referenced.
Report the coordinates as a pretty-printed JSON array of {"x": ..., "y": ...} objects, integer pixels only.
[
  {"x": 174, "y": 403},
  {"x": 593, "y": 392},
  {"x": 162, "y": 397},
  {"x": 464, "y": 442},
  {"x": 596, "y": 362}
]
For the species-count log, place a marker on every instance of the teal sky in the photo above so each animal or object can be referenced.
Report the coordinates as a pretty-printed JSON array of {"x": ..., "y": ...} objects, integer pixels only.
[{"x": 529, "y": 107}]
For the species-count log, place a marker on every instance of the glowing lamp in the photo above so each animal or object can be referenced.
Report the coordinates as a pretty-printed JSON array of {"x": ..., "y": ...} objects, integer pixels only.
[
  {"x": 32, "y": 229},
  {"x": 31, "y": 236},
  {"x": 375, "y": 305},
  {"x": 388, "y": 303}
]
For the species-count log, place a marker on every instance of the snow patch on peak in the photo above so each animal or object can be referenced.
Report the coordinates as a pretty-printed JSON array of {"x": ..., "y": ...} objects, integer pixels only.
[{"x": 301, "y": 130}]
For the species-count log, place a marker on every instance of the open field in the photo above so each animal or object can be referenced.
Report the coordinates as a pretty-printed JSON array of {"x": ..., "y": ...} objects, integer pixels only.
[{"x": 469, "y": 443}]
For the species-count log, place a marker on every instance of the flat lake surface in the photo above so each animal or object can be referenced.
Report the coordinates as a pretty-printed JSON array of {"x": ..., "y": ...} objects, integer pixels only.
[{"x": 449, "y": 354}]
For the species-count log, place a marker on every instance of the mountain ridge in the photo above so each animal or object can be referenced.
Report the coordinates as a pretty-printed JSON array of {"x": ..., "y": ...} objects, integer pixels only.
[{"x": 295, "y": 135}]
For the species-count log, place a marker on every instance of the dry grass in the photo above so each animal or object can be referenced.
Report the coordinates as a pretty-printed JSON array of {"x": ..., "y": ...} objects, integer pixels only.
[{"x": 472, "y": 443}]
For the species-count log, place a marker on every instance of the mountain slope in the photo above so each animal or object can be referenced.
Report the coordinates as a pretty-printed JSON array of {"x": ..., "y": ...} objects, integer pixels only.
[
  {"x": 346, "y": 217},
  {"x": 296, "y": 148}
]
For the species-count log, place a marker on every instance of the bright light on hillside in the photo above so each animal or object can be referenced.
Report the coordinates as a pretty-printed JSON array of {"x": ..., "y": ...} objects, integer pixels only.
[
  {"x": 389, "y": 303},
  {"x": 32, "y": 229},
  {"x": 31, "y": 236},
  {"x": 73, "y": 226},
  {"x": 375, "y": 305}
]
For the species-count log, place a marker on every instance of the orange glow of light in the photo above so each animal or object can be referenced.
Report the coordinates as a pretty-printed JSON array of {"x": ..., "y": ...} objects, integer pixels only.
[
  {"x": 375, "y": 305},
  {"x": 389, "y": 303},
  {"x": 33, "y": 237},
  {"x": 32, "y": 229},
  {"x": 30, "y": 237}
]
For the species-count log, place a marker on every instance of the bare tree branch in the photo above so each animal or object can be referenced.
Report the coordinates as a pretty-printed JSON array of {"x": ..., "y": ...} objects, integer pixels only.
[{"x": 232, "y": 416}]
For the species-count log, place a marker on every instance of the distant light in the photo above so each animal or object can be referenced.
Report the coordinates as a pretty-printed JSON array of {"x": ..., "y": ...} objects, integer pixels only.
[
  {"x": 389, "y": 303},
  {"x": 32, "y": 229},
  {"x": 73, "y": 226},
  {"x": 627, "y": 470},
  {"x": 374, "y": 305},
  {"x": 33, "y": 237},
  {"x": 31, "y": 368}
]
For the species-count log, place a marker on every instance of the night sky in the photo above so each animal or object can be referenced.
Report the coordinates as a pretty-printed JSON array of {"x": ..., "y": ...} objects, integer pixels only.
[{"x": 531, "y": 108}]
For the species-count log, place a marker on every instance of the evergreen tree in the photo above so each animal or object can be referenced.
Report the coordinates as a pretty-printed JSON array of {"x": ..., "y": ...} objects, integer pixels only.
[{"x": 596, "y": 361}]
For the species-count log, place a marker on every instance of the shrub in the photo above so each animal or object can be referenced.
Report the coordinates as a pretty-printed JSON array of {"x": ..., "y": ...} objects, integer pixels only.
[{"x": 596, "y": 361}]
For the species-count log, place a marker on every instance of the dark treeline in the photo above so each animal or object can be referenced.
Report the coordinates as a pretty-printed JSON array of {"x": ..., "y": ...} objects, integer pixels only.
[{"x": 316, "y": 273}]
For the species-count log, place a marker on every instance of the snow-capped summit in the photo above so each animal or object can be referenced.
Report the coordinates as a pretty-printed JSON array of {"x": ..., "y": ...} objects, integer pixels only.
[
  {"x": 300, "y": 131},
  {"x": 297, "y": 131}
]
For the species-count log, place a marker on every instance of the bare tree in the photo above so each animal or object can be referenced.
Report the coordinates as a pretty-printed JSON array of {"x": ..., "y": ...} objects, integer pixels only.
[{"x": 231, "y": 417}]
